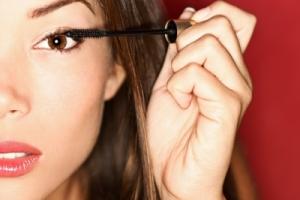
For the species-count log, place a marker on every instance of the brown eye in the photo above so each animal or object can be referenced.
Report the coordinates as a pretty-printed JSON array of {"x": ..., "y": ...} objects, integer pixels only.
[{"x": 58, "y": 42}]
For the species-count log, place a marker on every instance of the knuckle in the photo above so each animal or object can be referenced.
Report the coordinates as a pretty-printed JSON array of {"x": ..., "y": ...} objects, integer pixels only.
[
  {"x": 252, "y": 19},
  {"x": 179, "y": 61},
  {"x": 222, "y": 25},
  {"x": 235, "y": 103},
  {"x": 231, "y": 105},
  {"x": 221, "y": 20},
  {"x": 248, "y": 95},
  {"x": 170, "y": 84},
  {"x": 219, "y": 4},
  {"x": 238, "y": 102},
  {"x": 181, "y": 41},
  {"x": 193, "y": 69},
  {"x": 209, "y": 41}
]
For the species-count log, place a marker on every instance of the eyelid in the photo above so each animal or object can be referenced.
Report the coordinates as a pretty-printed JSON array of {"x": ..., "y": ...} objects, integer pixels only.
[
  {"x": 68, "y": 46},
  {"x": 49, "y": 33},
  {"x": 57, "y": 32}
]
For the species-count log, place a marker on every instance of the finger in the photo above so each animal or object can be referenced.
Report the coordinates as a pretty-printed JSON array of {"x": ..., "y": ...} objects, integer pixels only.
[
  {"x": 195, "y": 80},
  {"x": 187, "y": 13},
  {"x": 166, "y": 71},
  {"x": 242, "y": 21},
  {"x": 220, "y": 27},
  {"x": 217, "y": 104},
  {"x": 211, "y": 54}
]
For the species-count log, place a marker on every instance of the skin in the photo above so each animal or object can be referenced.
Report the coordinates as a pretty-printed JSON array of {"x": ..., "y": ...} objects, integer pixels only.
[
  {"x": 198, "y": 102},
  {"x": 50, "y": 100},
  {"x": 54, "y": 101}
]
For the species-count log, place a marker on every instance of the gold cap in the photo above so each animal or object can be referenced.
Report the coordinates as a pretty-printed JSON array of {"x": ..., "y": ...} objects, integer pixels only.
[{"x": 175, "y": 27}]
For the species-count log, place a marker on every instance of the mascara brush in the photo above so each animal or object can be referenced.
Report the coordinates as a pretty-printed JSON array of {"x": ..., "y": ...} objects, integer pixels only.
[{"x": 171, "y": 30}]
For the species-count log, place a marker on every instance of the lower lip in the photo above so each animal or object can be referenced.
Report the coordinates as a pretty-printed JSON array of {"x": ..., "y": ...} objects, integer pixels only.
[{"x": 18, "y": 166}]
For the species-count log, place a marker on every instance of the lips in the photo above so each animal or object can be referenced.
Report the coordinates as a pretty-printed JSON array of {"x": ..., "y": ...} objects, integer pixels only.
[{"x": 17, "y": 159}]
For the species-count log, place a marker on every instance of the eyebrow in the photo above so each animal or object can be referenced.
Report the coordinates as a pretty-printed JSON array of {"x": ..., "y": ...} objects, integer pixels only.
[{"x": 39, "y": 12}]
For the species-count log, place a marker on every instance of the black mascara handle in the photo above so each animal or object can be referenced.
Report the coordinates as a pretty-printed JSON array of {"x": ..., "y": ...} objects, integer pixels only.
[
  {"x": 171, "y": 30},
  {"x": 171, "y": 27}
]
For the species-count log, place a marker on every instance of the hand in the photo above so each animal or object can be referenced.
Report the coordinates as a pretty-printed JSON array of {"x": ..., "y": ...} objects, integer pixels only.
[{"x": 198, "y": 101}]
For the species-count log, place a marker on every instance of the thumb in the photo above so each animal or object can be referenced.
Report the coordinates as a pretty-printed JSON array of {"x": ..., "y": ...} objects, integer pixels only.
[{"x": 167, "y": 71}]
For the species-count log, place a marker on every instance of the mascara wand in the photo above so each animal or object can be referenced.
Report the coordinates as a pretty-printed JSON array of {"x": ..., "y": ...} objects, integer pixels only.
[{"x": 171, "y": 30}]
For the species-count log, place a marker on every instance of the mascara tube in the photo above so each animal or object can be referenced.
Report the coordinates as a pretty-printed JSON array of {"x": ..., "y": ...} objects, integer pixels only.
[
  {"x": 171, "y": 30},
  {"x": 175, "y": 27}
]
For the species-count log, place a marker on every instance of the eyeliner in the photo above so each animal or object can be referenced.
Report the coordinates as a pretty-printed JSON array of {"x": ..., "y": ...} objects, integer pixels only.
[{"x": 171, "y": 30}]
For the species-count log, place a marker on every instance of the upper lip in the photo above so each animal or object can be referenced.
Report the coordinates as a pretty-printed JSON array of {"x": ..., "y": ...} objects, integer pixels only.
[{"x": 12, "y": 146}]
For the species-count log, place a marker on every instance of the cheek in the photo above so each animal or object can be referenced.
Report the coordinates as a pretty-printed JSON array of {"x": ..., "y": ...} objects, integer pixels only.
[
  {"x": 67, "y": 111},
  {"x": 70, "y": 95}
]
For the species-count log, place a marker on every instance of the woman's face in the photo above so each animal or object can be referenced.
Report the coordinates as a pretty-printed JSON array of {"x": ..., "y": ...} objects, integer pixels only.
[{"x": 49, "y": 99}]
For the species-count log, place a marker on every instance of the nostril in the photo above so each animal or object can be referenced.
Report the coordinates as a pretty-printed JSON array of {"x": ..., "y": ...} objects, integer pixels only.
[
  {"x": 13, "y": 112},
  {"x": 11, "y": 104}
]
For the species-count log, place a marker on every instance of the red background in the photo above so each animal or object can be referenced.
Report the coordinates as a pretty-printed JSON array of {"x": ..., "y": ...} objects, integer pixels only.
[{"x": 269, "y": 130}]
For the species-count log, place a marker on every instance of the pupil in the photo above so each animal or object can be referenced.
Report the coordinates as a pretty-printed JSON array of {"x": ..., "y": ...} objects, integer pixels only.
[{"x": 57, "y": 42}]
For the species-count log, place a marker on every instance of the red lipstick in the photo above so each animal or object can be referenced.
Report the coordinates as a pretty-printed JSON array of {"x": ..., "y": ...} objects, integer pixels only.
[{"x": 17, "y": 159}]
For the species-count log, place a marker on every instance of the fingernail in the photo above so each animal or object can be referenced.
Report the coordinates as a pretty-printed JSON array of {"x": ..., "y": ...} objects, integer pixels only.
[
  {"x": 202, "y": 14},
  {"x": 189, "y": 9},
  {"x": 187, "y": 13}
]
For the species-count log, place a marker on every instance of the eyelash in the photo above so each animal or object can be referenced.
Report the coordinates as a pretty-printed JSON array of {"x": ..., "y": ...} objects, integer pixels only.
[{"x": 60, "y": 32}]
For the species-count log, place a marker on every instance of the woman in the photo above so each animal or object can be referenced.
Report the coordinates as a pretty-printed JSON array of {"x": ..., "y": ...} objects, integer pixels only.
[{"x": 90, "y": 119}]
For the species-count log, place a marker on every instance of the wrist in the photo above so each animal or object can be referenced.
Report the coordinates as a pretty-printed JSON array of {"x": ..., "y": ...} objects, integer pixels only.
[
  {"x": 193, "y": 194},
  {"x": 204, "y": 197}
]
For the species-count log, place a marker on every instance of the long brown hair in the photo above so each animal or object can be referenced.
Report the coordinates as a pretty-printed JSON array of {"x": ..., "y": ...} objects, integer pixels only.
[{"x": 119, "y": 166}]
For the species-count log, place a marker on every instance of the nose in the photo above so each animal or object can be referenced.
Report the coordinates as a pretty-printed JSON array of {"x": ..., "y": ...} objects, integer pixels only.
[
  {"x": 14, "y": 99},
  {"x": 12, "y": 105}
]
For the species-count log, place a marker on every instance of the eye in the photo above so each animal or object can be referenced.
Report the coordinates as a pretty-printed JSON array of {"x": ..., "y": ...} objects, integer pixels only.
[{"x": 58, "y": 42}]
